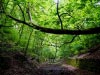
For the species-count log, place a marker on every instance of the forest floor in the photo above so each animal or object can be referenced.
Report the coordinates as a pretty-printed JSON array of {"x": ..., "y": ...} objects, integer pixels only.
[
  {"x": 15, "y": 63},
  {"x": 63, "y": 69}
]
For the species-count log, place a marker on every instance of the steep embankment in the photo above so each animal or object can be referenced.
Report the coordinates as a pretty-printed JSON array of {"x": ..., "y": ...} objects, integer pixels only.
[
  {"x": 15, "y": 63},
  {"x": 89, "y": 61}
]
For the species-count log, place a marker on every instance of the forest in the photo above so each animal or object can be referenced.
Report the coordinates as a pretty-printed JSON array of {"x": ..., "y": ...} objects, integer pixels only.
[{"x": 49, "y": 37}]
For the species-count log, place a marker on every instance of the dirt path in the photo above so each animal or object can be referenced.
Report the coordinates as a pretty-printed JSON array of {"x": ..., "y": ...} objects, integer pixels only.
[
  {"x": 57, "y": 69},
  {"x": 11, "y": 63}
]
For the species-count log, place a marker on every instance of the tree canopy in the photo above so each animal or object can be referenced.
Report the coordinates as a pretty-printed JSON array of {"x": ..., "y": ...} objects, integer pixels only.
[
  {"x": 28, "y": 22},
  {"x": 70, "y": 11}
]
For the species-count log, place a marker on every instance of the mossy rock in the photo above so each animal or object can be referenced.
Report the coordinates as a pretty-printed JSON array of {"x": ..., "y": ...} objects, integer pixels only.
[{"x": 73, "y": 62}]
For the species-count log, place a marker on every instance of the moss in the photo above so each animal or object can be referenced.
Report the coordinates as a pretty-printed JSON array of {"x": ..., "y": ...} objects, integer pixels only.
[{"x": 72, "y": 62}]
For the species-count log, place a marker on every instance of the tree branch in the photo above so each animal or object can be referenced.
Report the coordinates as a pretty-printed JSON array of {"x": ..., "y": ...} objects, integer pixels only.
[
  {"x": 65, "y": 14},
  {"x": 21, "y": 11},
  {"x": 71, "y": 40},
  {"x": 59, "y": 15},
  {"x": 29, "y": 13},
  {"x": 95, "y": 30},
  {"x": 4, "y": 26}
]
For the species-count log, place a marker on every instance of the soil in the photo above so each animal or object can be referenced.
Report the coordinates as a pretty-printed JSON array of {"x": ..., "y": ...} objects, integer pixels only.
[
  {"x": 15, "y": 63},
  {"x": 64, "y": 69}
]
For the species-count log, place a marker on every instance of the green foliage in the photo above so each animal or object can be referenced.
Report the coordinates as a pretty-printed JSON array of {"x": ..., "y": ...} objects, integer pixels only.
[{"x": 75, "y": 14}]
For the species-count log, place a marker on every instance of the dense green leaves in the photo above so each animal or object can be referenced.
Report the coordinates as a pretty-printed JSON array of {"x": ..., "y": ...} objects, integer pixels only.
[{"x": 75, "y": 14}]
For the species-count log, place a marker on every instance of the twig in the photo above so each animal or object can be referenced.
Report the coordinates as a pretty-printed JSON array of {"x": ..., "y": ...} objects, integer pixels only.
[
  {"x": 70, "y": 40},
  {"x": 22, "y": 12},
  {"x": 65, "y": 14}
]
